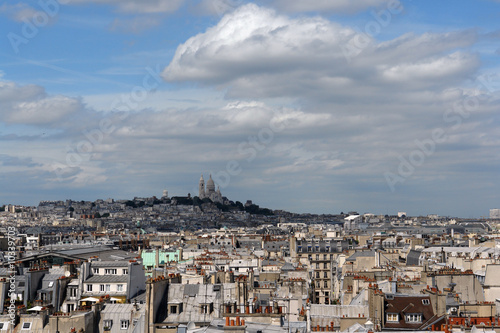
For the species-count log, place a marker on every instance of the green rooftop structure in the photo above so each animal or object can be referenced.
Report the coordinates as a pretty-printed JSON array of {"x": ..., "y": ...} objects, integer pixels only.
[{"x": 150, "y": 262}]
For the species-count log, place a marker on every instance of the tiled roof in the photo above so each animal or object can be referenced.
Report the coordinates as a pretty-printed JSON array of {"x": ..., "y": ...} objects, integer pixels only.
[{"x": 404, "y": 305}]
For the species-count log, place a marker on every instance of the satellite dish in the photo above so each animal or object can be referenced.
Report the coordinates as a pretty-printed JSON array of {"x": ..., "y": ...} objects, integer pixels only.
[{"x": 67, "y": 274}]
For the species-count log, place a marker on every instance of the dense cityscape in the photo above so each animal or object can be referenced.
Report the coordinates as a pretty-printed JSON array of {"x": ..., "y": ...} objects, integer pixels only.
[
  {"x": 207, "y": 264},
  {"x": 349, "y": 153}
]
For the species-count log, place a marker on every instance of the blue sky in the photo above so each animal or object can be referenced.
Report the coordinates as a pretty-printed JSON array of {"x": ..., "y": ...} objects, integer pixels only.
[{"x": 319, "y": 106}]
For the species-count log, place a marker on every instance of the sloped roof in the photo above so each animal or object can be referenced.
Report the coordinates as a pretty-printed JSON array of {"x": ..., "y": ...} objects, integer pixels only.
[
  {"x": 491, "y": 278},
  {"x": 412, "y": 258},
  {"x": 107, "y": 263},
  {"x": 107, "y": 279},
  {"x": 361, "y": 254},
  {"x": 404, "y": 305}
]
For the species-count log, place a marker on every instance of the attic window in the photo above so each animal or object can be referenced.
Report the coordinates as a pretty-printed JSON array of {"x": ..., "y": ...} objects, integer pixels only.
[
  {"x": 413, "y": 318},
  {"x": 207, "y": 308},
  {"x": 426, "y": 302},
  {"x": 51, "y": 283},
  {"x": 392, "y": 317},
  {"x": 26, "y": 326},
  {"x": 124, "y": 324}
]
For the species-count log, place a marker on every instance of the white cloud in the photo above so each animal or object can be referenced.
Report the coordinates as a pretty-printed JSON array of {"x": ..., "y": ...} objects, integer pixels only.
[
  {"x": 217, "y": 7},
  {"x": 336, "y": 6},
  {"x": 255, "y": 40},
  {"x": 431, "y": 69},
  {"x": 31, "y": 106},
  {"x": 43, "y": 111},
  {"x": 257, "y": 53}
]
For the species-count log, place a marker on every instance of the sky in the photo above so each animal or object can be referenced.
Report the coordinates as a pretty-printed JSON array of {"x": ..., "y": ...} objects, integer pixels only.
[{"x": 319, "y": 106}]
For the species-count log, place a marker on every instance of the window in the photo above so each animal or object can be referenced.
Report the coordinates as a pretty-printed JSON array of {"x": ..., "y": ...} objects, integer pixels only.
[
  {"x": 317, "y": 275},
  {"x": 1, "y": 326},
  {"x": 96, "y": 270},
  {"x": 26, "y": 326},
  {"x": 426, "y": 302},
  {"x": 110, "y": 271},
  {"x": 325, "y": 265},
  {"x": 123, "y": 324},
  {"x": 51, "y": 283},
  {"x": 413, "y": 318},
  {"x": 119, "y": 287},
  {"x": 392, "y": 317},
  {"x": 72, "y": 292},
  {"x": 317, "y": 265},
  {"x": 108, "y": 287},
  {"x": 89, "y": 287},
  {"x": 326, "y": 275},
  {"x": 173, "y": 309},
  {"x": 324, "y": 256},
  {"x": 326, "y": 284},
  {"x": 101, "y": 287},
  {"x": 107, "y": 323},
  {"x": 124, "y": 271},
  {"x": 71, "y": 307},
  {"x": 207, "y": 308},
  {"x": 317, "y": 257}
]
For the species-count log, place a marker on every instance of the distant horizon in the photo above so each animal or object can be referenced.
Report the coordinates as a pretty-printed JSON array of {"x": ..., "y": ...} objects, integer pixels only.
[
  {"x": 256, "y": 203},
  {"x": 317, "y": 106}
]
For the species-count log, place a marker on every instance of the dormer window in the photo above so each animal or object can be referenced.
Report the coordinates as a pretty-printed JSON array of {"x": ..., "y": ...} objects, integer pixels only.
[
  {"x": 392, "y": 318},
  {"x": 413, "y": 318},
  {"x": 426, "y": 302}
]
